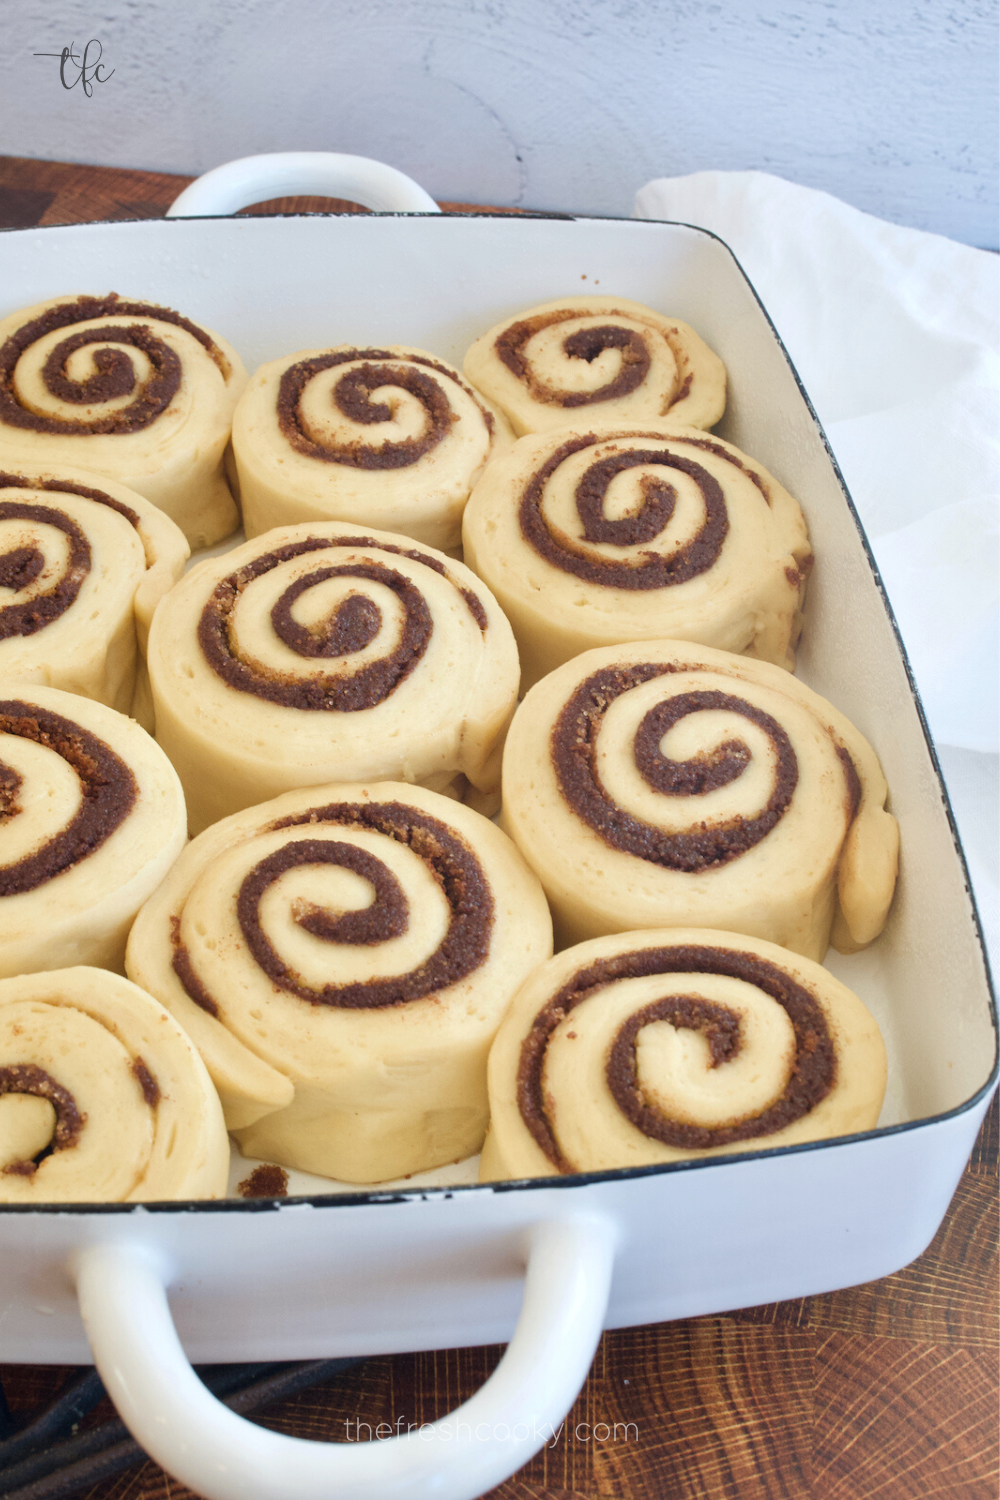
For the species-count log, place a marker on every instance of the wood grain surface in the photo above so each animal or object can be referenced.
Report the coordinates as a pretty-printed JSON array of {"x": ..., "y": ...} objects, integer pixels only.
[{"x": 887, "y": 1391}]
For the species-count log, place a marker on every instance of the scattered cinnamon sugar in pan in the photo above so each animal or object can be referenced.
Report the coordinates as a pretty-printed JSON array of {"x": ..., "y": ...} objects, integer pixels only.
[{"x": 266, "y": 1181}]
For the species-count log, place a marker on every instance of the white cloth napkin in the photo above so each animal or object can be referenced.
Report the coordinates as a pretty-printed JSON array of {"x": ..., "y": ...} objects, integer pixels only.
[{"x": 894, "y": 334}]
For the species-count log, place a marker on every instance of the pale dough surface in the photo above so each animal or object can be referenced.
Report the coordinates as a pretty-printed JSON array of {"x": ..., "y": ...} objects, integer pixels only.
[
  {"x": 562, "y": 576},
  {"x": 359, "y": 1094},
  {"x": 354, "y": 467},
  {"x": 674, "y": 1069},
  {"x": 149, "y": 1121},
  {"x": 82, "y": 914},
  {"x": 817, "y": 867},
  {"x": 96, "y": 646},
  {"x": 569, "y": 357},
  {"x": 442, "y": 720},
  {"x": 177, "y": 460}
]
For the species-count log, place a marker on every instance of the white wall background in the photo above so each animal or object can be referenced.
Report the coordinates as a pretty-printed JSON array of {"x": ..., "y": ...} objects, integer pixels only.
[{"x": 558, "y": 104}]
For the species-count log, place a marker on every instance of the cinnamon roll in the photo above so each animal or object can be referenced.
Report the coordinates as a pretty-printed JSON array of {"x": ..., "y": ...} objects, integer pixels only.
[
  {"x": 589, "y": 538},
  {"x": 319, "y": 653},
  {"x": 388, "y": 437},
  {"x": 91, "y": 819},
  {"x": 103, "y": 1099},
  {"x": 341, "y": 957},
  {"x": 130, "y": 391},
  {"x": 650, "y": 1047},
  {"x": 599, "y": 359},
  {"x": 666, "y": 784},
  {"x": 83, "y": 564}
]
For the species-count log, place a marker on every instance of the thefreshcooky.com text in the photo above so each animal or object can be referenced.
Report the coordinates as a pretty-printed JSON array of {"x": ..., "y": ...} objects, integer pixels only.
[{"x": 501, "y": 1432}]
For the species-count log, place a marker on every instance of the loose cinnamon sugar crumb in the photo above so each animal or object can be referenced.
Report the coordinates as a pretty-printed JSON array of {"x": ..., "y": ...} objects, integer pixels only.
[{"x": 267, "y": 1181}]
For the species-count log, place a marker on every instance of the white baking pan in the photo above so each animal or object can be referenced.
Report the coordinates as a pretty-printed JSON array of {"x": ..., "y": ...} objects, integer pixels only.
[{"x": 336, "y": 1274}]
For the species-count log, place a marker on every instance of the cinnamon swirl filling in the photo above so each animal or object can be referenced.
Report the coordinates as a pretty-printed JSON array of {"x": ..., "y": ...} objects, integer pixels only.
[
  {"x": 652, "y": 570},
  {"x": 20, "y": 567},
  {"x": 113, "y": 375},
  {"x": 584, "y": 344},
  {"x": 27, "y": 1078},
  {"x": 463, "y": 949},
  {"x": 102, "y": 1096},
  {"x": 108, "y": 786},
  {"x": 352, "y": 394},
  {"x": 812, "y": 1076},
  {"x": 573, "y": 749},
  {"x": 353, "y": 625}
]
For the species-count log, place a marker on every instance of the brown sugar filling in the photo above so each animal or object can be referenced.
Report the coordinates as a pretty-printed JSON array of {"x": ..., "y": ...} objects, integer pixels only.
[
  {"x": 585, "y": 344},
  {"x": 812, "y": 1075},
  {"x": 114, "y": 371},
  {"x": 653, "y": 570},
  {"x": 109, "y": 793},
  {"x": 184, "y": 969},
  {"x": 27, "y": 1078},
  {"x": 463, "y": 949},
  {"x": 472, "y": 600},
  {"x": 370, "y": 684},
  {"x": 353, "y": 626},
  {"x": 387, "y": 917},
  {"x": 855, "y": 790},
  {"x": 709, "y": 446},
  {"x": 352, "y": 396},
  {"x": 147, "y": 1083},
  {"x": 22, "y": 566},
  {"x": 19, "y": 568},
  {"x": 574, "y": 759},
  {"x": 10, "y": 785},
  {"x": 10, "y": 481},
  {"x": 344, "y": 693}
]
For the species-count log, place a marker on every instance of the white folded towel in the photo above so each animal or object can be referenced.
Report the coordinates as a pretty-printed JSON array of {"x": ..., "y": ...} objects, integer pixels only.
[{"x": 894, "y": 334}]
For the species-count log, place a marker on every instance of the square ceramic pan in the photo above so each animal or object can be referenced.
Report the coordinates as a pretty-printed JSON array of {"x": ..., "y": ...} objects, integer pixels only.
[{"x": 434, "y": 1267}]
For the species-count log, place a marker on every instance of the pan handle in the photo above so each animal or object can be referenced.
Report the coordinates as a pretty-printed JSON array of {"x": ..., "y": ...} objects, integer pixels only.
[
  {"x": 221, "y": 1456},
  {"x": 288, "y": 174}
]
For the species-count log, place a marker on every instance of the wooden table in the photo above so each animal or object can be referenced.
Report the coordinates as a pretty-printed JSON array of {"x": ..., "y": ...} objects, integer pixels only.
[{"x": 884, "y": 1392}]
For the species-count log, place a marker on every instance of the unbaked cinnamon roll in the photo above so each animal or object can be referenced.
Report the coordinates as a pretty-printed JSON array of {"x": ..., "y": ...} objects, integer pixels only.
[
  {"x": 588, "y": 538},
  {"x": 83, "y": 564},
  {"x": 91, "y": 818},
  {"x": 651, "y": 1047},
  {"x": 127, "y": 390},
  {"x": 666, "y": 784},
  {"x": 341, "y": 957},
  {"x": 597, "y": 359},
  {"x": 389, "y": 437},
  {"x": 319, "y": 653},
  {"x": 103, "y": 1099}
]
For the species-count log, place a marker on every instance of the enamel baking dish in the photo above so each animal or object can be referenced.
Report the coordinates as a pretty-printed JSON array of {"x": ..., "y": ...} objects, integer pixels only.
[{"x": 437, "y": 1264}]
